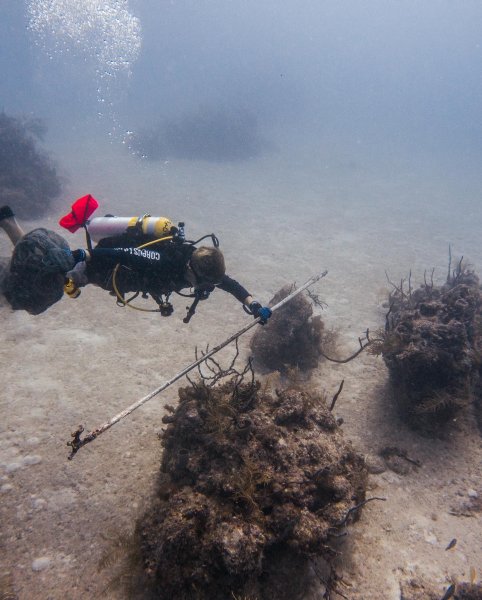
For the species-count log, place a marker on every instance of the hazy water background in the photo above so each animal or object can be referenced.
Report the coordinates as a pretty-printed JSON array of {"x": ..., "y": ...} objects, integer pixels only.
[
  {"x": 370, "y": 115},
  {"x": 370, "y": 112}
]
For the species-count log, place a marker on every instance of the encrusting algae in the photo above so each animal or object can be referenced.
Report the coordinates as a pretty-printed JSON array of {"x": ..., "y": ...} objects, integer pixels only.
[
  {"x": 294, "y": 338},
  {"x": 432, "y": 348},
  {"x": 250, "y": 480}
]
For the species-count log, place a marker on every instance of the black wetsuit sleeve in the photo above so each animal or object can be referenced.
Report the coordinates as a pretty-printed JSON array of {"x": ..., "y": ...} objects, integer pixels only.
[{"x": 233, "y": 287}]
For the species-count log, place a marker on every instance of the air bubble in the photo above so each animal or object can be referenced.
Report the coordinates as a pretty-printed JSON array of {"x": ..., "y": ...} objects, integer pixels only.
[{"x": 99, "y": 31}]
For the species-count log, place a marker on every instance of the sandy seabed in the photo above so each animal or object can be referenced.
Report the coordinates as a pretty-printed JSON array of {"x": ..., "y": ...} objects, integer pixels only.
[{"x": 280, "y": 218}]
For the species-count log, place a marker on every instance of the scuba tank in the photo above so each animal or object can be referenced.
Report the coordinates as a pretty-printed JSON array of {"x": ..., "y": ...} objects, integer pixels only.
[{"x": 103, "y": 227}]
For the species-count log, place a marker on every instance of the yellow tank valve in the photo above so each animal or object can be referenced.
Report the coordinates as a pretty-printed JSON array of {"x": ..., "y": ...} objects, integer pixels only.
[{"x": 71, "y": 289}]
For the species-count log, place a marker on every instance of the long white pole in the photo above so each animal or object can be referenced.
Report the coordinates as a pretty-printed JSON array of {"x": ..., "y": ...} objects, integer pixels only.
[{"x": 77, "y": 443}]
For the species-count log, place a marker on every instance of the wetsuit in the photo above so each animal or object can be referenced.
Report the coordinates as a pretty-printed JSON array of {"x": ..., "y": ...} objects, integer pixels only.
[{"x": 157, "y": 269}]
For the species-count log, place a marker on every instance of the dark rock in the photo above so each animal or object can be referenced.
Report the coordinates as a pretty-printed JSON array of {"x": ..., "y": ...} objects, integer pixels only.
[
  {"x": 28, "y": 178},
  {"x": 212, "y": 134}
]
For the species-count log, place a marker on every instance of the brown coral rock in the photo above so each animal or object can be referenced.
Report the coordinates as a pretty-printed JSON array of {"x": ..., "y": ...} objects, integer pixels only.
[
  {"x": 293, "y": 337},
  {"x": 431, "y": 348},
  {"x": 247, "y": 479}
]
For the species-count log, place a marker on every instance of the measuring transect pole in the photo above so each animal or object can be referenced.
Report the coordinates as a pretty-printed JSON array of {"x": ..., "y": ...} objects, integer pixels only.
[{"x": 77, "y": 443}]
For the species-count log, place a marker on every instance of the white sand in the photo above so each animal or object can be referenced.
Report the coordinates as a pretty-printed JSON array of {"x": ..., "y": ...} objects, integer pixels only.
[{"x": 280, "y": 218}]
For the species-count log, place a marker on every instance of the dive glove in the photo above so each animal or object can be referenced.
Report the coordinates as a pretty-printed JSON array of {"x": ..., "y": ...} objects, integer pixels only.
[{"x": 264, "y": 312}]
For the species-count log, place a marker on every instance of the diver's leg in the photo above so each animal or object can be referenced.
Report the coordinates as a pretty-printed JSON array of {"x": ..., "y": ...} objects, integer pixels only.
[
  {"x": 4, "y": 270},
  {"x": 9, "y": 224}
]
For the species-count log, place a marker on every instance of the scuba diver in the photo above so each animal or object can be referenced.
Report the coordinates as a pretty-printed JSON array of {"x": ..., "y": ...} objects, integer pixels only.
[{"x": 143, "y": 256}]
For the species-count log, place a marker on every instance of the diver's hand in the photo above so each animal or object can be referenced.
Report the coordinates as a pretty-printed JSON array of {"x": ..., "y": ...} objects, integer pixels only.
[{"x": 264, "y": 312}]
